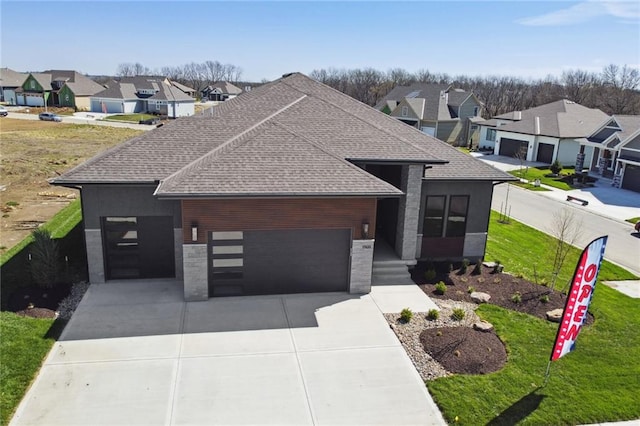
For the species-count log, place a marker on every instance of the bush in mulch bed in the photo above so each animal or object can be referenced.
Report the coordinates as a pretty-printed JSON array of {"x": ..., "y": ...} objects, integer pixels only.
[{"x": 534, "y": 299}]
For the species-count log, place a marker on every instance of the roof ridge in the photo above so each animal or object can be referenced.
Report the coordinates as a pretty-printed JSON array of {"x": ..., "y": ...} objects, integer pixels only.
[
  {"x": 222, "y": 147},
  {"x": 387, "y": 117},
  {"x": 331, "y": 154}
]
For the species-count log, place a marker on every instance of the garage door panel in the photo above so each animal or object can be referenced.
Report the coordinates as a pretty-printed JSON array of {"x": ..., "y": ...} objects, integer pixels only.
[
  {"x": 545, "y": 153},
  {"x": 631, "y": 179},
  {"x": 511, "y": 147},
  {"x": 285, "y": 261}
]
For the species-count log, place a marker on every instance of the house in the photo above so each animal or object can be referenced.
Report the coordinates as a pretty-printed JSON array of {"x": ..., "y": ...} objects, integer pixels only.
[
  {"x": 436, "y": 109},
  {"x": 616, "y": 151},
  {"x": 186, "y": 89},
  {"x": 57, "y": 88},
  {"x": 292, "y": 187},
  {"x": 221, "y": 91},
  {"x": 10, "y": 80},
  {"x": 143, "y": 94},
  {"x": 545, "y": 133}
]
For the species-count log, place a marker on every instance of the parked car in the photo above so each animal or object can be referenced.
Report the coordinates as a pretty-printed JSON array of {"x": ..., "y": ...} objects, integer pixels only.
[
  {"x": 49, "y": 116},
  {"x": 149, "y": 121},
  {"x": 3, "y": 111}
]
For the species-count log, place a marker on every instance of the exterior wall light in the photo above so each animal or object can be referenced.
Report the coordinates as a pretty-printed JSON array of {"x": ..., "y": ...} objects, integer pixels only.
[
  {"x": 194, "y": 231},
  {"x": 365, "y": 230}
]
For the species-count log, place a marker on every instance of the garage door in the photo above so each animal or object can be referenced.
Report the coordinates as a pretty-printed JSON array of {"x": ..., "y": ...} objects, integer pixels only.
[
  {"x": 631, "y": 178},
  {"x": 545, "y": 153},
  {"x": 277, "y": 262},
  {"x": 510, "y": 147}
]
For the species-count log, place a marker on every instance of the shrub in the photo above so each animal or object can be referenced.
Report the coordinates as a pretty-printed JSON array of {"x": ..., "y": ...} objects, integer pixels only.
[
  {"x": 471, "y": 289},
  {"x": 544, "y": 298},
  {"x": 516, "y": 297},
  {"x": 465, "y": 265},
  {"x": 497, "y": 267},
  {"x": 429, "y": 274},
  {"x": 45, "y": 259},
  {"x": 464, "y": 279},
  {"x": 450, "y": 267},
  {"x": 477, "y": 268},
  {"x": 481, "y": 279},
  {"x": 556, "y": 167},
  {"x": 433, "y": 314},
  {"x": 497, "y": 280},
  {"x": 406, "y": 315},
  {"x": 458, "y": 314},
  {"x": 441, "y": 288}
]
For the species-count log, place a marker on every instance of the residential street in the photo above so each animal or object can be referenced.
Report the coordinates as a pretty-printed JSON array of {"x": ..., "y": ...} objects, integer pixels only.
[
  {"x": 79, "y": 120},
  {"x": 536, "y": 210}
]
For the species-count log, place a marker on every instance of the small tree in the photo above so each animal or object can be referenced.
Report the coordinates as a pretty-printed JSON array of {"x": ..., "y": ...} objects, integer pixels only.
[
  {"x": 556, "y": 167},
  {"x": 566, "y": 229},
  {"x": 45, "y": 259}
]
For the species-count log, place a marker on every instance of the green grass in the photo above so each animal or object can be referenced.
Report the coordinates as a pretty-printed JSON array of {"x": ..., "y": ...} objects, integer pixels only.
[
  {"x": 524, "y": 250},
  {"x": 529, "y": 186},
  {"x": 633, "y": 220},
  {"x": 533, "y": 173},
  {"x": 22, "y": 349},
  {"x": 59, "y": 226},
  {"x": 597, "y": 382},
  {"x": 129, "y": 117}
]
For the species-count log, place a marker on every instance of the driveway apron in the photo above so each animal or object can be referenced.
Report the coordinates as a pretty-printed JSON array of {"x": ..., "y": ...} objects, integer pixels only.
[{"x": 134, "y": 353}]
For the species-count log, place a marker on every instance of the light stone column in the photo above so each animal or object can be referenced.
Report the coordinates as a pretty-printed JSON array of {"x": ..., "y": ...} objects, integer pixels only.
[
  {"x": 196, "y": 283},
  {"x": 409, "y": 211},
  {"x": 361, "y": 266},
  {"x": 95, "y": 255}
]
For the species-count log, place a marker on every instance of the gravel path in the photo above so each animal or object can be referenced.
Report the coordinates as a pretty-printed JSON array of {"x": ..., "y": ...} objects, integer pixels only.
[{"x": 409, "y": 334}]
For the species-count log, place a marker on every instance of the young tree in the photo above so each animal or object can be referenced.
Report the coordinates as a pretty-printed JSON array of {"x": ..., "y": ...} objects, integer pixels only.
[{"x": 566, "y": 228}]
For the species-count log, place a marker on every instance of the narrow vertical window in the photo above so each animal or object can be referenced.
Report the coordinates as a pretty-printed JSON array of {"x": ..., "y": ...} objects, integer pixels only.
[
  {"x": 457, "y": 218},
  {"x": 434, "y": 217}
]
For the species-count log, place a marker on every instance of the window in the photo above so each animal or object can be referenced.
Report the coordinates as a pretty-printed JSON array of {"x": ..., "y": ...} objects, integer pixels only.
[
  {"x": 405, "y": 111},
  {"x": 475, "y": 111},
  {"x": 457, "y": 217},
  {"x": 434, "y": 217},
  {"x": 33, "y": 84},
  {"x": 491, "y": 134},
  {"x": 157, "y": 106}
]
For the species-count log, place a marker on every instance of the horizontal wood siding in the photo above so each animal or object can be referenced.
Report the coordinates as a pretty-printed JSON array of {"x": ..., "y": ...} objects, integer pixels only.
[{"x": 269, "y": 214}]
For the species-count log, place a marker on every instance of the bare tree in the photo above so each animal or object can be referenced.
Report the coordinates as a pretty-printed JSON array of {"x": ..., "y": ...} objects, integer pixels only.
[{"x": 566, "y": 228}]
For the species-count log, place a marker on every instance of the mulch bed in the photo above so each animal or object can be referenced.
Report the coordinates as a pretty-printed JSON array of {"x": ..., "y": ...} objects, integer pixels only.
[
  {"x": 48, "y": 298},
  {"x": 501, "y": 287},
  {"x": 464, "y": 350},
  {"x": 37, "y": 313}
]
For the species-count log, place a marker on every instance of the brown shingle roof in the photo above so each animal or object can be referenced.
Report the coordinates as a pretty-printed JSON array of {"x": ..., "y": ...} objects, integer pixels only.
[{"x": 292, "y": 136}]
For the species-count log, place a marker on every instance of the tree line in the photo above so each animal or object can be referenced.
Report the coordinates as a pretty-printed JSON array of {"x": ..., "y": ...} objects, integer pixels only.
[
  {"x": 614, "y": 90},
  {"x": 195, "y": 75}
]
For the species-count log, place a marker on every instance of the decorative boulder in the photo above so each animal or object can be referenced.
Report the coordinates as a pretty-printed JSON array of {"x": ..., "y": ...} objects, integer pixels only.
[
  {"x": 483, "y": 326},
  {"x": 555, "y": 315},
  {"x": 480, "y": 297}
]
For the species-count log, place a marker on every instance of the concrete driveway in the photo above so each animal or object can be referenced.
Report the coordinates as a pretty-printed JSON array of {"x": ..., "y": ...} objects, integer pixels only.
[{"x": 134, "y": 353}]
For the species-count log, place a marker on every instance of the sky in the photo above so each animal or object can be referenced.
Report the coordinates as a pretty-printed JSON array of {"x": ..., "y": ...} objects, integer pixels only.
[{"x": 527, "y": 39}]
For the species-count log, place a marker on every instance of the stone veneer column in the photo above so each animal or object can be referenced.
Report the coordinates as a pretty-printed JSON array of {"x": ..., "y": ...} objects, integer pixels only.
[
  {"x": 177, "y": 251},
  {"x": 409, "y": 211},
  {"x": 95, "y": 256},
  {"x": 196, "y": 283},
  {"x": 361, "y": 266}
]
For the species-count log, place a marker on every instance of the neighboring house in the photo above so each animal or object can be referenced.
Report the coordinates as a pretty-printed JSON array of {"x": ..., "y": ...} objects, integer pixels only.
[
  {"x": 57, "y": 88},
  {"x": 143, "y": 94},
  {"x": 10, "y": 80},
  {"x": 545, "y": 133},
  {"x": 286, "y": 189},
  {"x": 185, "y": 89},
  {"x": 616, "y": 151},
  {"x": 436, "y": 109},
  {"x": 220, "y": 91}
]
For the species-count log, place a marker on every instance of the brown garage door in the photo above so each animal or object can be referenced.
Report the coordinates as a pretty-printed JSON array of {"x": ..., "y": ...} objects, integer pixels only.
[
  {"x": 631, "y": 178},
  {"x": 511, "y": 147},
  {"x": 279, "y": 261}
]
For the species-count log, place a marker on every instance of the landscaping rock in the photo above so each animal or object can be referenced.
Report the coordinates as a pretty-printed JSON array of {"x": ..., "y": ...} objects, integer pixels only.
[
  {"x": 555, "y": 315},
  {"x": 489, "y": 264},
  {"x": 483, "y": 326},
  {"x": 480, "y": 297}
]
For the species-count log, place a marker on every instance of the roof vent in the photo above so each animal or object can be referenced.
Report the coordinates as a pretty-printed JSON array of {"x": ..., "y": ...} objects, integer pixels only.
[
  {"x": 288, "y": 74},
  {"x": 517, "y": 115},
  {"x": 537, "y": 126}
]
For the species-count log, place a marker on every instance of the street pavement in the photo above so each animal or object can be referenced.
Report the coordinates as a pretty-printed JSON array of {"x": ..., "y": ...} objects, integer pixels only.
[
  {"x": 84, "y": 118},
  {"x": 605, "y": 214}
]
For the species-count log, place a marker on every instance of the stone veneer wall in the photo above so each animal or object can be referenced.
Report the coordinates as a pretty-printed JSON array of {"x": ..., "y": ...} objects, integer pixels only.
[
  {"x": 95, "y": 255},
  {"x": 196, "y": 282},
  {"x": 361, "y": 266},
  {"x": 409, "y": 212}
]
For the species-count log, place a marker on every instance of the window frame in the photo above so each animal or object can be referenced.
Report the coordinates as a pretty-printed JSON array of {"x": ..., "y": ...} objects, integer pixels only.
[
  {"x": 452, "y": 231},
  {"x": 446, "y": 228},
  {"x": 425, "y": 228},
  {"x": 491, "y": 134}
]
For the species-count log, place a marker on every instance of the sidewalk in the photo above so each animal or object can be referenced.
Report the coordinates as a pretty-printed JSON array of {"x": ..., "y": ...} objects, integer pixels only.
[{"x": 603, "y": 199}]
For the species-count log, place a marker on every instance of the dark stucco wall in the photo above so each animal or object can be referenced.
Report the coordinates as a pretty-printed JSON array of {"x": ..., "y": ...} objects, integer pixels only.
[
  {"x": 480, "y": 193},
  {"x": 125, "y": 200}
]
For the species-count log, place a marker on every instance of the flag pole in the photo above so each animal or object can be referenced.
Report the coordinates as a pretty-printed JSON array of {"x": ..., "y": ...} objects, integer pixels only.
[{"x": 546, "y": 374}]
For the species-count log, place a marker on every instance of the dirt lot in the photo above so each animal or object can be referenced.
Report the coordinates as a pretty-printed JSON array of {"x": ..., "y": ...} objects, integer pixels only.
[{"x": 34, "y": 151}]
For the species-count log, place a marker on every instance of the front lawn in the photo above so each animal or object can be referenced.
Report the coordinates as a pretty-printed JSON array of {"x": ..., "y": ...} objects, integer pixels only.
[
  {"x": 597, "y": 382},
  {"x": 533, "y": 173},
  {"x": 23, "y": 346},
  {"x": 134, "y": 118}
]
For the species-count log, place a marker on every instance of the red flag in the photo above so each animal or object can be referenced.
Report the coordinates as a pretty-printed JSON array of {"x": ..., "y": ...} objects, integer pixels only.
[{"x": 579, "y": 297}]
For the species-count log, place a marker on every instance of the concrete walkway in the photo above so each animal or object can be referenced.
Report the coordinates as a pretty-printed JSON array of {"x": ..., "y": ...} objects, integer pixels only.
[{"x": 134, "y": 353}]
